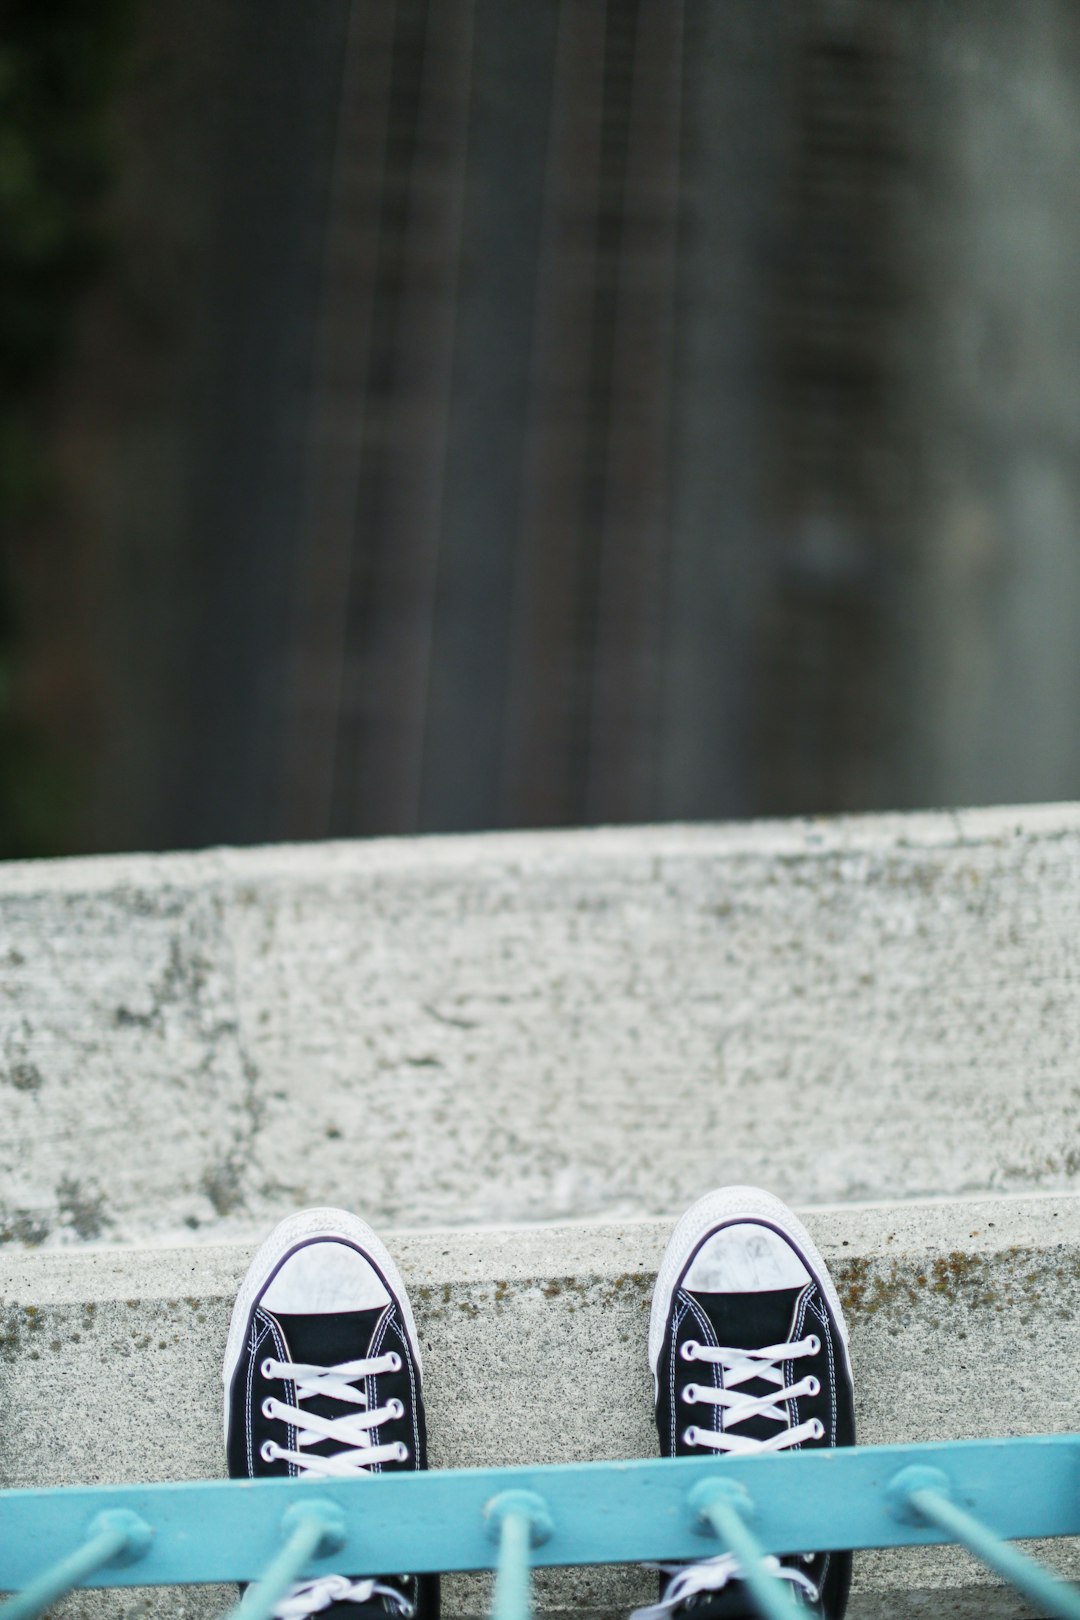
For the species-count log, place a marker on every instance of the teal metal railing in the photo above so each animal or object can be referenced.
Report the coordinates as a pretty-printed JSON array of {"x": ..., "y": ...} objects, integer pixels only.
[{"x": 981, "y": 1494}]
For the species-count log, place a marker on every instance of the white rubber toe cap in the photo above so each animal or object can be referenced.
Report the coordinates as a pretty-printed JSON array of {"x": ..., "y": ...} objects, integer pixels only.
[
  {"x": 323, "y": 1279},
  {"x": 745, "y": 1259}
]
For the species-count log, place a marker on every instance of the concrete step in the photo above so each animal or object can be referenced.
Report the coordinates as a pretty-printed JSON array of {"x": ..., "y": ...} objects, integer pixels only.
[
  {"x": 535, "y": 1026},
  {"x": 963, "y": 1315}
]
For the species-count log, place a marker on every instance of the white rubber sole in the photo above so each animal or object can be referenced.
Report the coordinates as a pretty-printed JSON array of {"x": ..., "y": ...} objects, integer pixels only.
[
  {"x": 722, "y": 1208},
  {"x": 306, "y": 1226}
]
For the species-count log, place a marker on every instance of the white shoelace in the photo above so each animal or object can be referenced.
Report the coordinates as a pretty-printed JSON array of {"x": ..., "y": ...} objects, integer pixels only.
[
  {"x": 311, "y": 1596},
  {"x": 355, "y": 1433},
  {"x": 710, "y": 1576},
  {"x": 738, "y": 1367}
]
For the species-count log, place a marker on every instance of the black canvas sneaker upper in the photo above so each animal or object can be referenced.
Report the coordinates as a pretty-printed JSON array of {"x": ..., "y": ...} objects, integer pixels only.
[
  {"x": 748, "y": 1348},
  {"x": 323, "y": 1378}
]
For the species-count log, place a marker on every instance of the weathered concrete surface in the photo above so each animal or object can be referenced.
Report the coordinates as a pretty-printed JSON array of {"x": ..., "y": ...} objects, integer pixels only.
[
  {"x": 963, "y": 1323},
  {"x": 442, "y": 1031}
]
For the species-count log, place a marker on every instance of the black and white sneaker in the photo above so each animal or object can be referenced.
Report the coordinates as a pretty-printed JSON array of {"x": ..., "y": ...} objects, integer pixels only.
[
  {"x": 748, "y": 1348},
  {"x": 322, "y": 1378}
]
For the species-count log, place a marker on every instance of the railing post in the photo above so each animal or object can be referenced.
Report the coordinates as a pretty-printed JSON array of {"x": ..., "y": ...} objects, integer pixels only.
[
  {"x": 314, "y": 1529},
  {"x": 724, "y": 1507},
  {"x": 117, "y": 1537},
  {"x": 919, "y": 1495},
  {"x": 519, "y": 1521}
]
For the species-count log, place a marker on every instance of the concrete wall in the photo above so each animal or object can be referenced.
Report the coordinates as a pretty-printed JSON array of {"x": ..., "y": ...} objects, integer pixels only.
[{"x": 522, "y": 1027}]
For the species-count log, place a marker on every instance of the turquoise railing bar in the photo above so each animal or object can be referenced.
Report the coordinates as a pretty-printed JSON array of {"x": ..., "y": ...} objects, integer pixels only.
[
  {"x": 982, "y": 1493},
  {"x": 924, "y": 1493},
  {"x": 115, "y": 1537}
]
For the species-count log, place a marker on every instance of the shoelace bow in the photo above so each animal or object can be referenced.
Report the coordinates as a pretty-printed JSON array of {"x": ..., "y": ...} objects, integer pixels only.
[
  {"x": 312, "y": 1596},
  {"x": 355, "y": 1433},
  {"x": 710, "y": 1575},
  {"x": 738, "y": 1367}
]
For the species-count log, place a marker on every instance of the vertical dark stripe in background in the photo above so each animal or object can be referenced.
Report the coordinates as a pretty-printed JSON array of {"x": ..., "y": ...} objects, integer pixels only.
[
  {"x": 827, "y": 705},
  {"x": 389, "y": 626},
  {"x": 609, "y": 232},
  {"x": 543, "y": 726},
  {"x": 623, "y": 707},
  {"x": 315, "y": 656},
  {"x": 733, "y": 152},
  {"x": 507, "y": 143},
  {"x": 255, "y": 344}
]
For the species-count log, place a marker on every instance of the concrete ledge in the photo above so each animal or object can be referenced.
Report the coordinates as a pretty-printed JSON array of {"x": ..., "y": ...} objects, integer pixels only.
[
  {"x": 536, "y": 1026},
  {"x": 963, "y": 1318}
]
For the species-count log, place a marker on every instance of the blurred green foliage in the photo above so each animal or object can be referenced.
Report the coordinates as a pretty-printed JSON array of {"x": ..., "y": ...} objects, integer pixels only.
[{"x": 61, "y": 63}]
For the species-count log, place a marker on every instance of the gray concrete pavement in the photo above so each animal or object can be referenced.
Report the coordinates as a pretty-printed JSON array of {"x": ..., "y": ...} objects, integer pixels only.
[
  {"x": 964, "y": 1322},
  {"x": 535, "y": 1026}
]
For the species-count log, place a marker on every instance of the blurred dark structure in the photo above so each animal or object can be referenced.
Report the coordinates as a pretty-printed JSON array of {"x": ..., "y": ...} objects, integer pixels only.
[{"x": 529, "y": 412}]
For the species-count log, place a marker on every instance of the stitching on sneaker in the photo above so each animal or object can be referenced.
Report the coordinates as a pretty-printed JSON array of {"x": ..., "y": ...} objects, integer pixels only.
[
  {"x": 281, "y": 1352},
  {"x": 816, "y": 1308},
  {"x": 403, "y": 1337},
  {"x": 823, "y": 1317},
  {"x": 789, "y": 1366},
  {"x": 253, "y": 1351},
  {"x": 676, "y": 1321},
  {"x": 709, "y": 1337},
  {"x": 371, "y": 1385},
  {"x": 385, "y": 1324}
]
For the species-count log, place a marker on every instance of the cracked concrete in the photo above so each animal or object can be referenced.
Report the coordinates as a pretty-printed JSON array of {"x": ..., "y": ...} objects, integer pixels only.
[
  {"x": 452, "y": 1030},
  {"x": 962, "y": 1317},
  {"x": 130, "y": 1085}
]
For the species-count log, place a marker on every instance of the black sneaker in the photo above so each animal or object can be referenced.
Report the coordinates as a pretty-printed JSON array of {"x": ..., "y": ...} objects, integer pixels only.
[
  {"x": 748, "y": 1348},
  {"x": 322, "y": 1378}
]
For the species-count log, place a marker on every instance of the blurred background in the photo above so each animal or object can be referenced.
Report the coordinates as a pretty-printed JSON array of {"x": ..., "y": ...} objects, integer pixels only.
[{"x": 423, "y": 415}]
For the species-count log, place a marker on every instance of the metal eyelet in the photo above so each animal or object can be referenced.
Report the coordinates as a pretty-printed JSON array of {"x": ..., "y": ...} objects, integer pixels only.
[
  {"x": 815, "y": 1386},
  {"x": 268, "y": 1407},
  {"x": 395, "y": 1408},
  {"x": 690, "y": 1394},
  {"x": 268, "y": 1451},
  {"x": 690, "y": 1436},
  {"x": 689, "y": 1350},
  {"x": 819, "y": 1429},
  {"x": 402, "y": 1452},
  {"x": 265, "y": 1367},
  {"x": 395, "y": 1361},
  {"x": 815, "y": 1344}
]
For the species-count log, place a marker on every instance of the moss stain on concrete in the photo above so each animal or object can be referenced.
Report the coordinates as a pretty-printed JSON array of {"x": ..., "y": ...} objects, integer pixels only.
[{"x": 1017, "y": 1279}]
